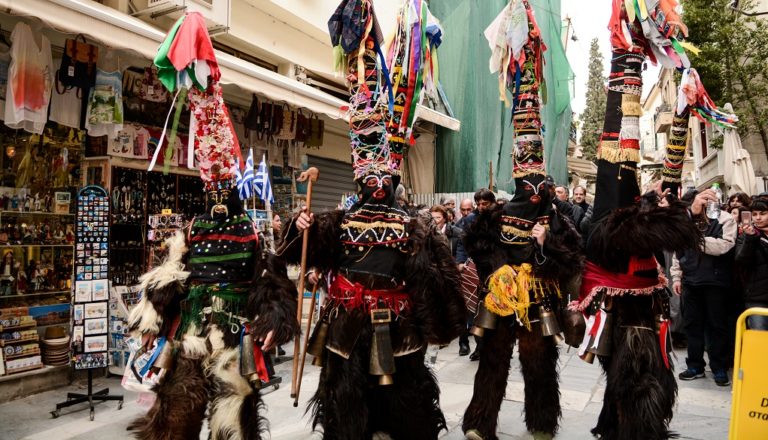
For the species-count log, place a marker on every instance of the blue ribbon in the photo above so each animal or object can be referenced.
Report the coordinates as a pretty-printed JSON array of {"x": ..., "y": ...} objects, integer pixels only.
[
  {"x": 388, "y": 83},
  {"x": 160, "y": 343}
]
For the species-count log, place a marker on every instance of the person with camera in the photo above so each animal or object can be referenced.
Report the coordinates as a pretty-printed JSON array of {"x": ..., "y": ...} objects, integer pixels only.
[
  {"x": 703, "y": 278},
  {"x": 752, "y": 258}
]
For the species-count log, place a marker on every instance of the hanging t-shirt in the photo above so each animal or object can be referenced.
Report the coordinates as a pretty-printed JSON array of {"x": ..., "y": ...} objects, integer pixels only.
[
  {"x": 66, "y": 107},
  {"x": 5, "y": 63},
  {"x": 104, "y": 115},
  {"x": 30, "y": 79}
]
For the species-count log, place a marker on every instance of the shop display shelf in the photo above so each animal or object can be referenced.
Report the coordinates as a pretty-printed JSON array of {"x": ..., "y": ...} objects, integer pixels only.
[
  {"x": 18, "y": 327},
  {"x": 2, "y": 245},
  {"x": 34, "y": 352},
  {"x": 3, "y": 343},
  {"x": 26, "y": 295},
  {"x": 21, "y": 370},
  {"x": 12, "y": 212}
]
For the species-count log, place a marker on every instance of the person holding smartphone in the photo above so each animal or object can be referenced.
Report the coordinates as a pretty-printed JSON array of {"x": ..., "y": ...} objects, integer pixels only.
[{"x": 752, "y": 258}]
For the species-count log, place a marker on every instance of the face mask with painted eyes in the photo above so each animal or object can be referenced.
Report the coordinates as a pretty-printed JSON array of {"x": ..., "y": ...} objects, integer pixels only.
[
  {"x": 217, "y": 200},
  {"x": 535, "y": 188},
  {"x": 378, "y": 188}
]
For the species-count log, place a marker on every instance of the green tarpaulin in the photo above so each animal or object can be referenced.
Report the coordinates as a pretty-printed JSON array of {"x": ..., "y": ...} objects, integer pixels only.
[{"x": 486, "y": 134}]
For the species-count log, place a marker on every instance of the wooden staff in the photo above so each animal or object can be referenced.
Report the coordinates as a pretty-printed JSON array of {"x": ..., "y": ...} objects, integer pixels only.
[
  {"x": 310, "y": 176},
  {"x": 306, "y": 344}
]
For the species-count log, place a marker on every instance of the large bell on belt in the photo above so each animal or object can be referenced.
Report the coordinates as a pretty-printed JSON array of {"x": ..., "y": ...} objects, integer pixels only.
[
  {"x": 247, "y": 360},
  {"x": 378, "y": 366},
  {"x": 574, "y": 327},
  {"x": 605, "y": 344},
  {"x": 316, "y": 345},
  {"x": 549, "y": 325},
  {"x": 484, "y": 320}
]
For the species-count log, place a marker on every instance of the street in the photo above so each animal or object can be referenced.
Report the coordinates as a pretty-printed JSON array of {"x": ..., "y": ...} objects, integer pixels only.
[{"x": 702, "y": 410}]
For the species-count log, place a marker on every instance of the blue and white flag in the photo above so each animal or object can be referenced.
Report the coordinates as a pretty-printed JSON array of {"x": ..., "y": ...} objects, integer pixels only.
[
  {"x": 245, "y": 180},
  {"x": 261, "y": 182}
]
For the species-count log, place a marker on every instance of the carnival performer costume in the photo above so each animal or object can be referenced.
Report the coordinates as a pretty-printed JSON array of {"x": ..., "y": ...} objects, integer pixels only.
[
  {"x": 393, "y": 286},
  {"x": 220, "y": 296},
  {"x": 521, "y": 294},
  {"x": 623, "y": 296}
]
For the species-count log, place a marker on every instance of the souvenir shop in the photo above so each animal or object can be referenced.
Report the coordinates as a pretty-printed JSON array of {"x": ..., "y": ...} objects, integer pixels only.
[{"x": 89, "y": 114}]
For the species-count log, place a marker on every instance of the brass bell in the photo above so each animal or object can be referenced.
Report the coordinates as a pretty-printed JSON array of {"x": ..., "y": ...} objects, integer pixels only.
[
  {"x": 484, "y": 320},
  {"x": 588, "y": 357},
  {"x": 549, "y": 325},
  {"x": 574, "y": 327},
  {"x": 316, "y": 345},
  {"x": 247, "y": 361},
  {"x": 605, "y": 344},
  {"x": 165, "y": 358},
  {"x": 317, "y": 361},
  {"x": 380, "y": 367}
]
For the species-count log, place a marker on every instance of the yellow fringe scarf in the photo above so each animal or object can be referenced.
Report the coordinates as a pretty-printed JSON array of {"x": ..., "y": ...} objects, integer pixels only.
[{"x": 509, "y": 291}]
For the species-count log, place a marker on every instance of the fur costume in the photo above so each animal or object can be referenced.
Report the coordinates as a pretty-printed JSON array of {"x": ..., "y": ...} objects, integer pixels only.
[
  {"x": 349, "y": 403},
  {"x": 206, "y": 371},
  {"x": 393, "y": 286},
  {"x": 623, "y": 295},
  {"x": 523, "y": 278},
  {"x": 538, "y": 354}
]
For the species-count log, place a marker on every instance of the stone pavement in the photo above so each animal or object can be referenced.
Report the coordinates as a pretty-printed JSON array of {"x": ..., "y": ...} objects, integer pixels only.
[{"x": 702, "y": 411}]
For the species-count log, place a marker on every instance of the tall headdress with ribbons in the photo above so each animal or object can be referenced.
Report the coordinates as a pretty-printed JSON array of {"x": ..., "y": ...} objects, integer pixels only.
[
  {"x": 692, "y": 100},
  {"x": 188, "y": 68},
  {"x": 517, "y": 56},
  {"x": 639, "y": 29}
]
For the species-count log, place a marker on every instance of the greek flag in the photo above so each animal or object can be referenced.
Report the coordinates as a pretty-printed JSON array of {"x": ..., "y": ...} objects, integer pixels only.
[
  {"x": 245, "y": 180},
  {"x": 261, "y": 182}
]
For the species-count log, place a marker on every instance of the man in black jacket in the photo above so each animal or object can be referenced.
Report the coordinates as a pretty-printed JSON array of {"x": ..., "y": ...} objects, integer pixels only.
[{"x": 704, "y": 278}]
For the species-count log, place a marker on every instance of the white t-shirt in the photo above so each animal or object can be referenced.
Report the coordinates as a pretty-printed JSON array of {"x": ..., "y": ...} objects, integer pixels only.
[
  {"x": 104, "y": 115},
  {"x": 65, "y": 107},
  {"x": 30, "y": 79}
]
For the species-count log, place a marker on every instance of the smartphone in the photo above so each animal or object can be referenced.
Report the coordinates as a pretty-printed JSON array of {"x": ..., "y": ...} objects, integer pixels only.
[{"x": 746, "y": 217}]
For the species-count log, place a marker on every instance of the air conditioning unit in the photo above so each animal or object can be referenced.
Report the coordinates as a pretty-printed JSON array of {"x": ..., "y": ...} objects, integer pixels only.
[{"x": 216, "y": 12}]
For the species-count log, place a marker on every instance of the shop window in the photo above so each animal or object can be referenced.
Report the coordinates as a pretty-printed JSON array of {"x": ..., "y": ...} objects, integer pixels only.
[{"x": 703, "y": 141}]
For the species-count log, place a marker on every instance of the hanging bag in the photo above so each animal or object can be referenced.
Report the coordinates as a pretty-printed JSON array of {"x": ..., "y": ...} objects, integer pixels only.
[
  {"x": 287, "y": 130},
  {"x": 302, "y": 127},
  {"x": 316, "y": 129},
  {"x": 253, "y": 118},
  {"x": 78, "y": 63}
]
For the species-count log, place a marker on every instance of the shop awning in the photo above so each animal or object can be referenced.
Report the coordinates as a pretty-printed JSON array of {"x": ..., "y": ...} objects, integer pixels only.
[
  {"x": 117, "y": 30},
  {"x": 582, "y": 167}
]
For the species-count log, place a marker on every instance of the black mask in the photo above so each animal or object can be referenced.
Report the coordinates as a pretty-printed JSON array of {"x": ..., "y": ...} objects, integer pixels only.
[
  {"x": 377, "y": 189},
  {"x": 223, "y": 203}
]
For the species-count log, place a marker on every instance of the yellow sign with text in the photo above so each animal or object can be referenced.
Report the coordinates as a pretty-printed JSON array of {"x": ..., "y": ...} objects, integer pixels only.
[{"x": 749, "y": 408}]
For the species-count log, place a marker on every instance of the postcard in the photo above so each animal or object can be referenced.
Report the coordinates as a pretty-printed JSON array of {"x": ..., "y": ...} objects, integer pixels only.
[
  {"x": 95, "y": 343},
  {"x": 100, "y": 291},
  {"x": 95, "y": 326},
  {"x": 77, "y": 313},
  {"x": 83, "y": 291},
  {"x": 96, "y": 310}
]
